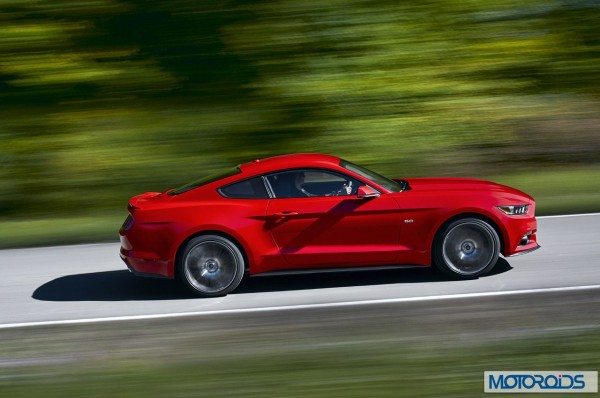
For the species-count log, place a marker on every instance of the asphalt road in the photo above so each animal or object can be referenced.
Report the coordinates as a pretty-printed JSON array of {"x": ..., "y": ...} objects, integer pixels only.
[{"x": 90, "y": 282}]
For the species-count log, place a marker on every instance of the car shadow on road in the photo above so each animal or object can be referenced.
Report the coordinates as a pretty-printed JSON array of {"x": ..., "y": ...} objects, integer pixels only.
[{"x": 124, "y": 286}]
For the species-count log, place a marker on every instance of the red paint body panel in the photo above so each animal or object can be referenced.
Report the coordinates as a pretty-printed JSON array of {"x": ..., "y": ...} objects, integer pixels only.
[
  {"x": 336, "y": 231},
  {"x": 330, "y": 231}
]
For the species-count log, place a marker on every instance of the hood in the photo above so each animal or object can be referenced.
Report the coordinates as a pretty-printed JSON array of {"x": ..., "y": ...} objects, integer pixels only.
[{"x": 460, "y": 184}]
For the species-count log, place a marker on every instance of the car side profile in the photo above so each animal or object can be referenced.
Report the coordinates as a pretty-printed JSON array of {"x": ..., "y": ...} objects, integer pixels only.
[{"x": 304, "y": 212}]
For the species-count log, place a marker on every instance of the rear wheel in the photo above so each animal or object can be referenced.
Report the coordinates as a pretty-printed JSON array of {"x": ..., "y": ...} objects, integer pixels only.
[
  {"x": 211, "y": 265},
  {"x": 467, "y": 248}
]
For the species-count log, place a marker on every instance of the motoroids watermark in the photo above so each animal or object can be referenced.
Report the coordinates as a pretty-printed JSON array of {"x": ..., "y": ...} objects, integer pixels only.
[{"x": 561, "y": 381}]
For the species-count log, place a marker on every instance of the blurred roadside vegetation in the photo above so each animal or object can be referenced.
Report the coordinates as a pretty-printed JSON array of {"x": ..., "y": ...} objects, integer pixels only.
[
  {"x": 257, "y": 367},
  {"x": 103, "y": 99}
]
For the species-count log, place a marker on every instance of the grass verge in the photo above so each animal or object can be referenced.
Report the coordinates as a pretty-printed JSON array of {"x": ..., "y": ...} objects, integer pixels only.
[
  {"x": 59, "y": 230},
  {"x": 355, "y": 368},
  {"x": 556, "y": 192}
]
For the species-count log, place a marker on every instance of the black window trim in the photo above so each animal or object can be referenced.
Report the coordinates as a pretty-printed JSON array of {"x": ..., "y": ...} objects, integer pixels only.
[
  {"x": 269, "y": 187},
  {"x": 369, "y": 184}
]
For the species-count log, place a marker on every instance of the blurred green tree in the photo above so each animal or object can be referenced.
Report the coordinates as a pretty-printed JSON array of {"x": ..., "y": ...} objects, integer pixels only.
[{"x": 102, "y": 99}]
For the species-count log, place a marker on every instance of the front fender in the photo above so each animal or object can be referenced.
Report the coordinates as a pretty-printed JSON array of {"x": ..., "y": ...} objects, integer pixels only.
[{"x": 474, "y": 212}]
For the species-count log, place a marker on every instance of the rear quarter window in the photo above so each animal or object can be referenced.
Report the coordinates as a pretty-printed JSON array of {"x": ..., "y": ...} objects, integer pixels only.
[
  {"x": 204, "y": 180},
  {"x": 253, "y": 188}
]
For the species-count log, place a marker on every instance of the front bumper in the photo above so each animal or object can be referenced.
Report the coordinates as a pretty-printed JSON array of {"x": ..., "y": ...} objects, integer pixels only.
[
  {"x": 525, "y": 251},
  {"x": 517, "y": 228}
]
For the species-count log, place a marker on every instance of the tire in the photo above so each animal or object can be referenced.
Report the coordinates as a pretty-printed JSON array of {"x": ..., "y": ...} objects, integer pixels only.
[
  {"x": 211, "y": 266},
  {"x": 466, "y": 248}
]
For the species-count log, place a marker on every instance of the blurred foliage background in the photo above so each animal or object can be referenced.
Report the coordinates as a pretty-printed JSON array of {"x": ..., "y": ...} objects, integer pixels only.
[{"x": 104, "y": 99}]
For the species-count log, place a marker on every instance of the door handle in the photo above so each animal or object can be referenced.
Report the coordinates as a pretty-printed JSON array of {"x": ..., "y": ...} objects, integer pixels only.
[{"x": 285, "y": 213}]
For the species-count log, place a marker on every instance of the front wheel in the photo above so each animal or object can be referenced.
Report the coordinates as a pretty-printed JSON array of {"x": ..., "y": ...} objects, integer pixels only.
[
  {"x": 211, "y": 265},
  {"x": 466, "y": 248}
]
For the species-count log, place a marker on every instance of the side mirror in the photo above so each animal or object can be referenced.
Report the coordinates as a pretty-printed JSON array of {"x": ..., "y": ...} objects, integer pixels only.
[{"x": 365, "y": 191}]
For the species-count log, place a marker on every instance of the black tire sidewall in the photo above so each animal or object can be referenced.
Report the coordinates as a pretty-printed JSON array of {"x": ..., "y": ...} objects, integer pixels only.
[
  {"x": 438, "y": 256},
  {"x": 239, "y": 275}
]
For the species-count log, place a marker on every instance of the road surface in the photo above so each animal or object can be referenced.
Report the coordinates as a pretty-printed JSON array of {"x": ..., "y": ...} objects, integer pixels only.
[{"x": 89, "y": 283}]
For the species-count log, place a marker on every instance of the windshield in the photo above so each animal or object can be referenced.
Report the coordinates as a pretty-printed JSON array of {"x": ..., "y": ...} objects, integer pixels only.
[
  {"x": 204, "y": 180},
  {"x": 372, "y": 176}
]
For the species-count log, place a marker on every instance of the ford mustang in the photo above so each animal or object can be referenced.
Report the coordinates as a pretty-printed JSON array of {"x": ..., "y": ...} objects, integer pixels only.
[{"x": 306, "y": 212}]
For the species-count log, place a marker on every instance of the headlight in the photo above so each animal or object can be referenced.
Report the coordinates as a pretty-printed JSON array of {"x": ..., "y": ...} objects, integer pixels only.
[{"x": 514, "y": 209}]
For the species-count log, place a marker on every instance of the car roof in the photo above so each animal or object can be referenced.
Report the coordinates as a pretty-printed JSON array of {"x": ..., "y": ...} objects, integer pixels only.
[{"x": 290, "y": 161}]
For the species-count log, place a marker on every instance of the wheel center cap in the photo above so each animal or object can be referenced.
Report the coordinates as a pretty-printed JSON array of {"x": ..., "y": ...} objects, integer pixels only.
[
  {"x": 468, "y": 247},
  {"x": 211, "y": 265}
]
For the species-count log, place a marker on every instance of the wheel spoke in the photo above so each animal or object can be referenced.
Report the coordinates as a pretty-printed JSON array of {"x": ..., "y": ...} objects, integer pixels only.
[
  {"x": 210, "y": 266},
  {"x": 468, "y": 248}
]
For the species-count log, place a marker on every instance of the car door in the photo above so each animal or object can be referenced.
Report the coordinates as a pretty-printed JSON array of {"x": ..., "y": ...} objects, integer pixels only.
[{"x": 316, "y": 219}]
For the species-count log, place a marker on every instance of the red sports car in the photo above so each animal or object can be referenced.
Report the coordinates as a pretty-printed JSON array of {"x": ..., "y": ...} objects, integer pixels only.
[{"x": 313, "y": 211}]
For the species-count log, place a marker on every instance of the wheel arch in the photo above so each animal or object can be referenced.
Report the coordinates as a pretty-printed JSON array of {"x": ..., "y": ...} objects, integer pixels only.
[
  {"x": 500, "y": 230},
  {"x": 231, "y": 237}
]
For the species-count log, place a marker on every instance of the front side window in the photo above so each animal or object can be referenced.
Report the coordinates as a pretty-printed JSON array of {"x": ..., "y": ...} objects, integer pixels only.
[
  {"x": 253, "y": 188},
  {"x": 307, "y": 183},
  {"x": 385, "y": 182}
]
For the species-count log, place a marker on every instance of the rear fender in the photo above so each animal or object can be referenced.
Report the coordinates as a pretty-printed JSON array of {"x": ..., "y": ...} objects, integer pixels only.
[{"x": 209, "y": 229}]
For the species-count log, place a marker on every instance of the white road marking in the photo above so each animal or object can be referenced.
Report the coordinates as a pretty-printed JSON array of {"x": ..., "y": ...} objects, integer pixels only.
[
  {"x": 569, "y": 215},
  {"x": 299, "y": 306}
]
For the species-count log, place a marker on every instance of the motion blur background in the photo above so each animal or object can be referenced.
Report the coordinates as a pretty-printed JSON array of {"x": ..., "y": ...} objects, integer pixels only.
[{"x": 102, "y": 99}]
